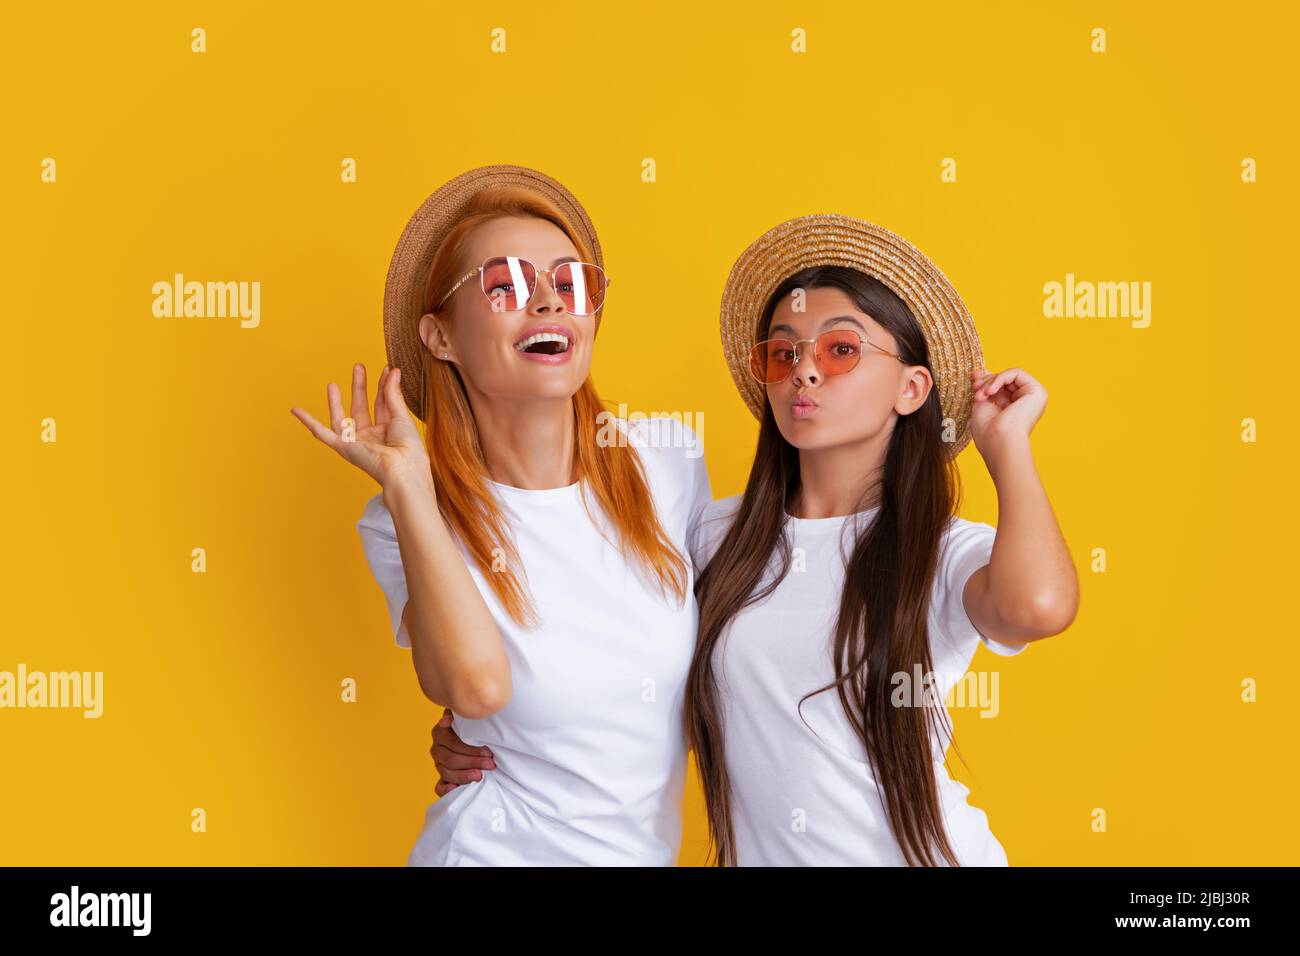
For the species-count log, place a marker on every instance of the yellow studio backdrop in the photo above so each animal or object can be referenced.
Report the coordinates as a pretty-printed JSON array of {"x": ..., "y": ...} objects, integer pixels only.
[{"x": 1017, "y": 145}]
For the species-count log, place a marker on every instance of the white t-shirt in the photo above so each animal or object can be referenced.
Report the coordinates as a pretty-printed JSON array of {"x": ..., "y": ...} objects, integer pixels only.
[
  {"x": 804, "y": 797},
  {"x": 590, "y": 751}
]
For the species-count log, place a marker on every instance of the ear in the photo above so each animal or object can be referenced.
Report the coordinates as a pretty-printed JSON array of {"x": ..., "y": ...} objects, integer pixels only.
[
  {"x": 916, "y": 385},
  {"x": 434, "y": 336}
]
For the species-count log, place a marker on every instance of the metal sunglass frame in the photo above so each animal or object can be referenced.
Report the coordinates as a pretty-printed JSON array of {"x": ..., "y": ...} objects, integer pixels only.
[
  {"x": 798, "y": 353},
  {"x": 550, "y": 277}
]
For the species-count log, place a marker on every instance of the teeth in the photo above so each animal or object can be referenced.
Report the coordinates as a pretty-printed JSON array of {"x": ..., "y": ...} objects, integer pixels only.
[{"x": 543, "y": 337}]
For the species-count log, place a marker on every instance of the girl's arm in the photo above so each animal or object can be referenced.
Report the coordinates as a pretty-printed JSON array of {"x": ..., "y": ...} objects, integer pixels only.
[
  {"x": 457, "y": 762},
  {"x": 1029, "y": 589},
  {"x": 458, "y": 653}
]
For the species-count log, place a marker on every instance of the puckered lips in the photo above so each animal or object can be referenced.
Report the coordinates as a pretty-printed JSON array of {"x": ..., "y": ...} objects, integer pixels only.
[
  {"x": 803, "y": 406},
  {"x": 549, "y": 343}
]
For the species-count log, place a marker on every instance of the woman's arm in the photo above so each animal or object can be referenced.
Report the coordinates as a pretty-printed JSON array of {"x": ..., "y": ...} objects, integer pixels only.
[
  {"x": 456, "y": 647},
  {"x": 457, "y": 650},
  {"x": 1029, "y": 589}
]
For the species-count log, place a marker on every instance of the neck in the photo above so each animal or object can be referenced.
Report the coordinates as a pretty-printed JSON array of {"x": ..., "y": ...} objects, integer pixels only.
[
  {"x": 832, "y": 481},
  {"x": 527, "y": 443}
]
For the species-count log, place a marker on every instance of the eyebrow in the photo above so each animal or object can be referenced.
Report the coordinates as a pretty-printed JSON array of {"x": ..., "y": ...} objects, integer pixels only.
[
  {"x": 782, "y": 327},
  {"x": 564, "y": 259}
]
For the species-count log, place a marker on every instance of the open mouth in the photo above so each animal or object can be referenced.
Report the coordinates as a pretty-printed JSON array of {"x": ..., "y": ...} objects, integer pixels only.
[{"x": 544, "y": 343}]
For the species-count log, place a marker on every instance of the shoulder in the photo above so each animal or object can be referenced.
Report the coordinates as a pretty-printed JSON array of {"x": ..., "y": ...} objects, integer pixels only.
[
  {"x": 722, "y": 511},
  {"x": 715, "y": 521},
  {"x": 671, "y": 434},
  {"x": 670, "y": 449}
]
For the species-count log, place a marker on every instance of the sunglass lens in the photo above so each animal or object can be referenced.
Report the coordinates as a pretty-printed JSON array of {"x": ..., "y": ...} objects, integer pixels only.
[
  {"x": 581, "y": 286},
  {"x": 770, "y": 361},
  {"x": 508, "y": 282},
  {"x": 838, "y": 351}
]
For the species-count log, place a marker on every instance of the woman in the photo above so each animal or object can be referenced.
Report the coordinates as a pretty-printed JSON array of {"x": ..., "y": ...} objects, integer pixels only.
[
  {"x": 842, "y": 574},
  {"x": 534, "y": 566}
]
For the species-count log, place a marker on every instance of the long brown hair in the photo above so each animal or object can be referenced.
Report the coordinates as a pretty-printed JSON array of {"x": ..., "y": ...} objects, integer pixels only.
[
  {"x": 611, "y": 472},
  {"x": 881, "y": 628}
]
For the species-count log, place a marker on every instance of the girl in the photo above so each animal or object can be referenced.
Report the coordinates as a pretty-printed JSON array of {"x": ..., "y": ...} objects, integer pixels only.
[
  {"x": 534, "y": 565},
  {"x": 840, "y": 596}
]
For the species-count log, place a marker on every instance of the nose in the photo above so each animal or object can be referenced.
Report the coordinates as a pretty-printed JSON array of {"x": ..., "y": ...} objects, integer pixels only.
[
  {"x": 545, "y": 298},
  {"x": 805, "y": 371}
]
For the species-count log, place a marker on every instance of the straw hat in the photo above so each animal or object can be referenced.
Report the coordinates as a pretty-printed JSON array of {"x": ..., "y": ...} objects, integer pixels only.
[
  {"x": 409, "y": 270},
  {"x": 828, "y": 239}
]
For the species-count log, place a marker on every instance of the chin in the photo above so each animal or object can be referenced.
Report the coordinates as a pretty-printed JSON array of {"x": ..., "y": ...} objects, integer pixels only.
[
  {"x": 800, "y": 434},
  {"x": 556, "y": 386},
  {"x": 812, "y": 434}
]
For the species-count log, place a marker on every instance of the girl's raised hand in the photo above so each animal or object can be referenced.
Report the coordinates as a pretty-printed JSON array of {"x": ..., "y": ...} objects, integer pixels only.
[
  {"x": 387, "y": 447},
  {"x": 1005, "y": 405}
]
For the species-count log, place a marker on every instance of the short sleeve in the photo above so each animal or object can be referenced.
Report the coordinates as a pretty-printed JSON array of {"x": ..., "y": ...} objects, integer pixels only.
[
  {"x": 680, "y": 451},
  {"x": 707, "y": 533},
  {"x": 701, "y": 491},
  {"x": 379, "y": 541},
  {"x": 968, "y": 546}
]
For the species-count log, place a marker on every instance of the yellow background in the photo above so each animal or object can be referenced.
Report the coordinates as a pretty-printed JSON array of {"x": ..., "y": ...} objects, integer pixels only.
[{"x": 222, "y": 690}]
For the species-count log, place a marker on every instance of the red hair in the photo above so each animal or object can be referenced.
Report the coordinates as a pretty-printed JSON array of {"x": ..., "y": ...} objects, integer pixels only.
[{"x": 612, "y": 473}]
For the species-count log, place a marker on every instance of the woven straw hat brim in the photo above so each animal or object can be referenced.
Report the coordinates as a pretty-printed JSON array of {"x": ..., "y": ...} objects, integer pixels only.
[
  {"x": 424, "y": 233},
  {"x": 830, "y": 239}
]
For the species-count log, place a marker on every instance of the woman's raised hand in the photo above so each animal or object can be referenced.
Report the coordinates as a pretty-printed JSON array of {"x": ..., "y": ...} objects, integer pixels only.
[{"x": 387, "y": 447}]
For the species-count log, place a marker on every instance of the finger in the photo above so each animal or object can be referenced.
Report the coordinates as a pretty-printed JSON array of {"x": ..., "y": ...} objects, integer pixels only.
[
  {"x": 451, "y": 740},
  {"x": 316, "y": 428},
  {"x": 448, "y": 738},
  {"x": 442, "y": 789},
  {"x": 444, "y": 735},
  {"x": 442, "y": 754},
  {"x": 458, "y": 758},
  {"x": 382, "y": 413},
  {"x": 447, "y": 759},
  {"x": 1014, "y": 383},
  {"x": 360, "y": 410},
  {"x": 459, "y": 776},
  {"x": 335, "y": 399},
  {"x": 1002, "y": 399},
  {"x": 396, "y": 401},
  {"x": 991, "y": 388},
  {"x": 1023, "y": 380}
]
